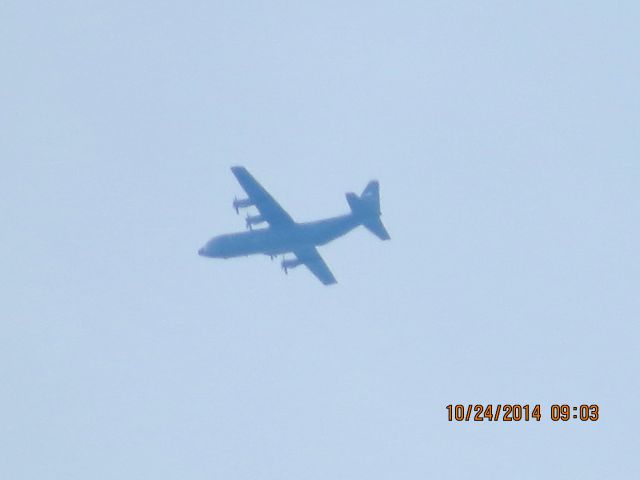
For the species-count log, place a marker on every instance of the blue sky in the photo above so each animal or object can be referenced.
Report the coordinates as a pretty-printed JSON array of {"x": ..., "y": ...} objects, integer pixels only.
[{"x": 505, "y": 139}]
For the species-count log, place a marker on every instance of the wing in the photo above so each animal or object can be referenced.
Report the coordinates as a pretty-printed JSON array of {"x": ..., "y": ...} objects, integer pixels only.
[
  {"x": 314, "y": 262},
  {"x": 270, "y": 210}
]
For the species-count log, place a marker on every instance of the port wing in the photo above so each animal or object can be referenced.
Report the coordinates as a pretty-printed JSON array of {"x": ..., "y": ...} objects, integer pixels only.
[{"x": 269, "y": 209}]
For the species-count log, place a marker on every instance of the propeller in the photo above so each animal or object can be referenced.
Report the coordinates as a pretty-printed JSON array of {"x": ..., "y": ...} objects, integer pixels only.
[
  {"x": 239, "y": 203},
  {"x": 253, "y": 220},
  {"x": 287, "y": 264}
]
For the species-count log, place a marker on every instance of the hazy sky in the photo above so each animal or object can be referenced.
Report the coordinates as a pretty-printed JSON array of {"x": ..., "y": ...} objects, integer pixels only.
[{"x": 505, "y": 139}]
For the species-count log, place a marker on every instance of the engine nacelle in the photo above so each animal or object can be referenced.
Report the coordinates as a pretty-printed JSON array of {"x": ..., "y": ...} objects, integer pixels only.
[
  {"x": 252, "y": 220},
  {"x": 241, "y": 203},
  {"x": 287, "y": 264}
]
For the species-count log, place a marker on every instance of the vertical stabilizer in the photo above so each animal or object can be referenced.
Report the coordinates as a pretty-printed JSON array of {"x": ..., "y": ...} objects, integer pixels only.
[{"x": 367, "y": 206}]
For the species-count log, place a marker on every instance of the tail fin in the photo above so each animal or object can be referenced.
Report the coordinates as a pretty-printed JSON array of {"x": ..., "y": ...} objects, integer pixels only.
[{"x": 367, "y": 206}]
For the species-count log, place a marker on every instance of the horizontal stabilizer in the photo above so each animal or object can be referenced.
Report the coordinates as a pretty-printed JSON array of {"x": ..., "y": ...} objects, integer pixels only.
[{"x": 375, "y": 226}]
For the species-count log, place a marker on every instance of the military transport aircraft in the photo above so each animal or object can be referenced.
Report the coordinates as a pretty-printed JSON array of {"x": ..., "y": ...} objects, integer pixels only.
[{"x": 284, "y": 235}]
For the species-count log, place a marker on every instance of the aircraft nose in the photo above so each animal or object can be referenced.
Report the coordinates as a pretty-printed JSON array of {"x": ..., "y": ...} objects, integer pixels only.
[{"x": 211, "y": 249}]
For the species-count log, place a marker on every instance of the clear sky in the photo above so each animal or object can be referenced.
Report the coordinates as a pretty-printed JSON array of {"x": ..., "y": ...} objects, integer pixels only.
[{"x": 505, "y": 139}]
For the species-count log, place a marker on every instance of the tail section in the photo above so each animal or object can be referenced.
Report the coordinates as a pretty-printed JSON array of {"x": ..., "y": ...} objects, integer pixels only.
[
  {"x": 367, "y": 207},
  {"x": 376, "y": 227}
]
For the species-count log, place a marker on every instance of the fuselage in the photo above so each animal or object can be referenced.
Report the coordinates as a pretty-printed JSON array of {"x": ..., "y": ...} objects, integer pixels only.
[{"x": 279, "y": 240}]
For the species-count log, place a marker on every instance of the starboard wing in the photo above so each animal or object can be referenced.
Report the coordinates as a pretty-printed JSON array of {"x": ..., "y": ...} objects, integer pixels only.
[
  {"x": 270, "y": 210},
  {"x": 316, "y": 265}
]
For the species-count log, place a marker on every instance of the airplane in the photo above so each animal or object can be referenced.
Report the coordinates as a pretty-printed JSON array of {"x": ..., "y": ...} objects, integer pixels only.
[{"x": 283, "y": 235}]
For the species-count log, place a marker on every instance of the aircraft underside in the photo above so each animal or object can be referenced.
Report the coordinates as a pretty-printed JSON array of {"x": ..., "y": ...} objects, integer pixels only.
[{"x": 284, "y": 235}]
